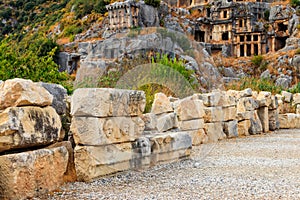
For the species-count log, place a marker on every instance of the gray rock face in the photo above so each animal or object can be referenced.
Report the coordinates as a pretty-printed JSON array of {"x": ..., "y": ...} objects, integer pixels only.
[
  {"x": 293, "y": 23},
  {"x": 279, "y": 12},
  {"x": 265, "y": 75},
  {"x": 148, "y": 16},
  {"x": 283, "y": 82},
  {"x": 59, "y": 96}
]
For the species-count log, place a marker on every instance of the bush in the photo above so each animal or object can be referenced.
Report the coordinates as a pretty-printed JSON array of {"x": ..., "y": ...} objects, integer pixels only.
[
  {"x": 154, "y": 3},
  {"x": 294, "y": 3}
]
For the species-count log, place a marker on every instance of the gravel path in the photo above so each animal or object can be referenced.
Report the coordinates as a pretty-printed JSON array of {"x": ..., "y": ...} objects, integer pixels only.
[{"x": 255, "y": 167}]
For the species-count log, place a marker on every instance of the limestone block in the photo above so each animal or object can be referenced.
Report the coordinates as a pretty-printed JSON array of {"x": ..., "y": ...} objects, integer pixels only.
[
  {"x": 240, "y": 94},
  {"x": 209, "y": 99},
  {"x": 22, "y": 127},
  {"x": 263, "y": 114},
  {"x": 70, "y": 173},
  {"x": 287, "y": 96},
  {"x": 213, "y": 114},
  {"x": 229, "y": 113},
  {"x": 256, "y": 126},
  {"x": 191, "y": 124},
  {"x": 243, "y": 127},
  {"x": 59, "y": 94},
  {"x": 198, "y": 137},
  {"x": 95, "y": 161},
  {"x": 274, "y": 120},
  {"x": 298, "y": 109},
  {"x": 161, "y": 104},
  {"x": 214, "y": 131},
  {"x": 230, "y": 128},
  {"x": 247, "y": 104},
  {"x": 296, "y": 99},
  {"x": 150, "y": 120},
  {"x": 105, "y": 102},
  {"x": 21, "y": 92},
  {"x": 274, "y": 104},
  {"x": 289, "y": 120},
  {"x": 240, "y": 116},
  {"x": 166, "y": 122},
  {"x": 32, "y": 173},
  {"x": 189, "y": 109},
  {"x": 101, "y": 131},
  {"x": 170, "y": 146},
  {"x": 264, "y": 98}
]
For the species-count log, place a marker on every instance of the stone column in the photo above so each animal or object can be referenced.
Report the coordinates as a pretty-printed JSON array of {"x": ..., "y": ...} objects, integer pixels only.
[{"x": 245, "y": 50}]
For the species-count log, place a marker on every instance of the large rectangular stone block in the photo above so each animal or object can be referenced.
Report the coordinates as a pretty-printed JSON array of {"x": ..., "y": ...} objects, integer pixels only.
[
  {"x": 191, "y": 124},
  {"x": 166, "y": 122},
  {"x": 189, "y": 109},
  {"x": 243, "y": 127},
  {"x": 26, "y": 175},
  {"x": 22, "y": 127},
  {"x": 102, "y": 131},
  {"x": 107, "y": 102},
  {"x": 263, "y": 114},
  {"x": 229, "y": 113},
  {"x": 21, "y": 92},
  {"x": 256, "y": 126},
  {"x": 247, "y": 104},
  {"x": 213, "y": 114},
  {"x": 289, "y": 120},
  {"x": 274, "y": 123},
  {"x": 198, "y": 137},
  {"x": 230, "y": 128},
  {"x": 214, "y": 131}
]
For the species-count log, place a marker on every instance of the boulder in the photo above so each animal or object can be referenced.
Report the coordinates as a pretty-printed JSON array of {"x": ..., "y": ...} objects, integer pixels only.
[
  {"x": 189, "y": 109},
  {"x": 107, "y": 102},
  {"x": 22, "y": 127},
  {"x": 21, "y": 92},
  {"x": 296, "y": 99},
  {"x": 29, "y": 174},
  {"x": 214, "y": 131},
  {"x": 161, "y": 104},
  {"x": 59, "y": 94},
  {"x": 103, "y": 131}
]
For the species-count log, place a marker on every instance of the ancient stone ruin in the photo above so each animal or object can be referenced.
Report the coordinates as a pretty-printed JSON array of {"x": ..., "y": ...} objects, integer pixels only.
[{"x": 110, "y": 133}]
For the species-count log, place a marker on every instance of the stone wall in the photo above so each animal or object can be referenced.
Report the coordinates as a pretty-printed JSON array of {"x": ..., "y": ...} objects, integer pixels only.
[
  {"x": 109, "y": 131},
  {"x": 32, "y": 158}
]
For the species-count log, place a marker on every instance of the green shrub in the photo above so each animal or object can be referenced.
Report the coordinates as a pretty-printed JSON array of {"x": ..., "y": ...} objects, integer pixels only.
[
  {"x": 154, "y": 3},
  {"x": 295, "y": 89},
  {"x": 255, "y": 84},
  {"x": 294, "y": 3}
]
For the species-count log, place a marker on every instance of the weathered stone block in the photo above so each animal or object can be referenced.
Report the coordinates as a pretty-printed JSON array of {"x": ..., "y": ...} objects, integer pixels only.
[
  {"x": 198, "y": 137},
  {"x": 105, "y": 102},
  {"x": 240, "y": 94},
  {"x": 166, "y": 122},
  {"x": 263, "y": 114},
  {"x": 256, "y": 126},
  {"x": 191, "y": 124},
  {"x": 21, "y": 92},
  {"x": 229, "y": 113},
  {"x": 296, "y": 99},
  {"x": 243, "y": 127},
  {"x": 189, "y": 109},
  {"x": 100, "y": 131},
  {"x": 274, "y": 120},
  {"x": 247, "y": 104},
  {"x": 59, "y": 94},
  {"x": 22, "y": 127},
  {"x": 230, "y": 128},
  {"x": 274, "y": 104},
  {"x": 240, "y": 116},
  {"x": 214, "y": 131},
  {"x": 289, "y": 120},
  {"x": 264, "y": 98},
  {"x": 150, "y": 120},
  {"x": 213, "y": 114},
  {"x": 161, "y": 104},
  {"x": 32, "y": 173},
  {"x": 287, "y": 96},
  {"x": 209, "y": 99}
]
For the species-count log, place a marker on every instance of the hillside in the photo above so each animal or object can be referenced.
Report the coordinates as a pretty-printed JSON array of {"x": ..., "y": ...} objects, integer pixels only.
[{"x": 32, "y": 33}]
